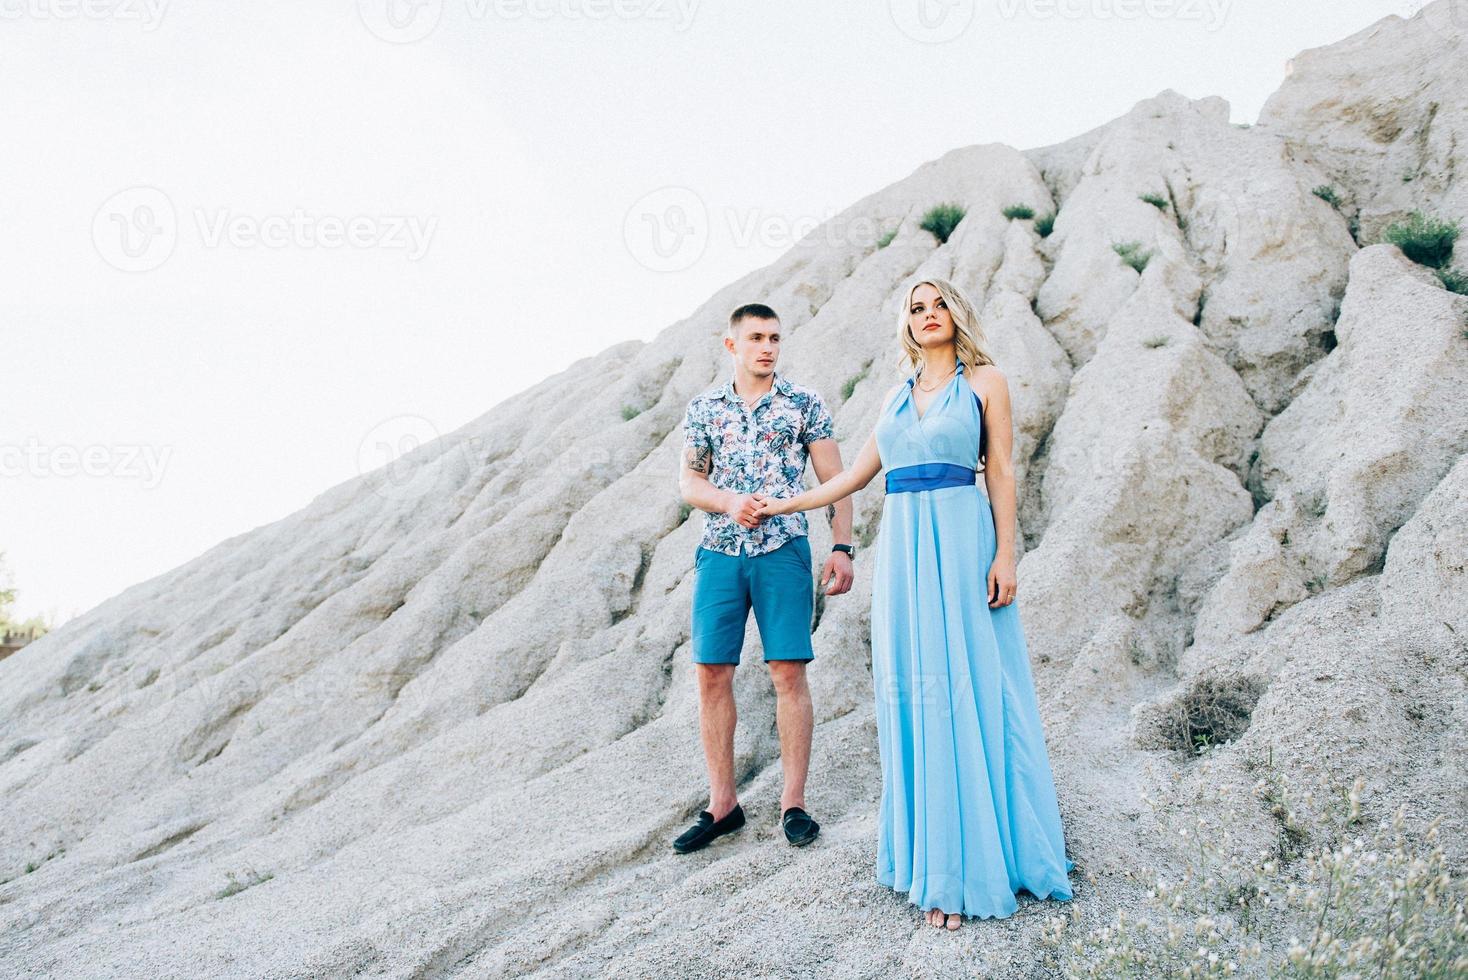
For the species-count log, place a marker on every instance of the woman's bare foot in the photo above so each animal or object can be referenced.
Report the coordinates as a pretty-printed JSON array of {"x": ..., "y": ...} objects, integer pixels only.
[{"x": 936, "y": 917}]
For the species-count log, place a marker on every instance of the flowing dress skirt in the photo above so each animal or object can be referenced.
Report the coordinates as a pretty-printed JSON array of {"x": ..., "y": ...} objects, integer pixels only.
[{"x": 968, "y": 813}]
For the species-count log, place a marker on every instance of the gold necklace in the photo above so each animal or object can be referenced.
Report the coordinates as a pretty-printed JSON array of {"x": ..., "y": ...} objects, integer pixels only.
[{"x": 935, "y": 387}]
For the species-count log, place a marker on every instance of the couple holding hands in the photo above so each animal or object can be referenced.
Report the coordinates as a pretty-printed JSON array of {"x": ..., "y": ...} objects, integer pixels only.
[{"x": 968, "y": 814}]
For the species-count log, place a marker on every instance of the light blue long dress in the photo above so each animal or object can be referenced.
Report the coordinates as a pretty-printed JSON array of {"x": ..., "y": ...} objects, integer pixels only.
[{"x": 968, "y": 815}]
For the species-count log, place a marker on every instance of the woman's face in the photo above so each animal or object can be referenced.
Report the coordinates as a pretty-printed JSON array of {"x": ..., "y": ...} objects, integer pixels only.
[{"x": 928, "y": 317}]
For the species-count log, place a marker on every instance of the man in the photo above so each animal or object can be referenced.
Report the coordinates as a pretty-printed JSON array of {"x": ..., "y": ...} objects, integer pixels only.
[{"x": 744, "y": 441}]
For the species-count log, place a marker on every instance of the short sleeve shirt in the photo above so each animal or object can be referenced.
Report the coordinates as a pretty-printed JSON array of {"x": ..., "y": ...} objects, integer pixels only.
[{"x": 759, "y": 450}]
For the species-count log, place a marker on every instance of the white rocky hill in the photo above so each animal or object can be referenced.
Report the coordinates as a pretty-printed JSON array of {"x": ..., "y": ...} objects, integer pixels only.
[{"x": 445, "y": 725}]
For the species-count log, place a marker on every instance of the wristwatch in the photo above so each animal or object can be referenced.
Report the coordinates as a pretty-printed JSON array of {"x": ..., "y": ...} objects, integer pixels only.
[{"x": 850, "y": 551}]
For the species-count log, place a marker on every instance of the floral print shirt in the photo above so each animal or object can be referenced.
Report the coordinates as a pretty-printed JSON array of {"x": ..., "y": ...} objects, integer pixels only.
[{"x": 759, "y": 450}]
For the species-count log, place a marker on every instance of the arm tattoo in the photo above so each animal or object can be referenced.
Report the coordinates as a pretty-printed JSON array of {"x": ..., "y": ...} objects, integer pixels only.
[
  {"x": 831, "y": 514},
  {"x": 699, "y": 459}
]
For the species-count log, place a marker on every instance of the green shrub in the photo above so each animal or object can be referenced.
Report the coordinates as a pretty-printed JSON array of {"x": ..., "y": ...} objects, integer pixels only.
[
  {"x": 941, "y": 219},
  {"x": 850, "y": 386},
  {"x": 886, "y": 239},
  {"x": 1453, "y": 281},
  {"x": 1426, "y": 241},
  {"x": 1045, "y": 224},
  {"x": 1156, "y": 200},
  {"x": 629, "y": 413},
  {"x": 1327, "y": 194},
  {"x": 1133, "y": 255},
  {"x": 684, "y": 510},
  {"x": 1021, "y": 211}
]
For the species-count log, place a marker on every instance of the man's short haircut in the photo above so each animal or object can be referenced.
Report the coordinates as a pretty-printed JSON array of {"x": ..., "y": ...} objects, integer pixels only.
[{"x": 758, "y": 310}]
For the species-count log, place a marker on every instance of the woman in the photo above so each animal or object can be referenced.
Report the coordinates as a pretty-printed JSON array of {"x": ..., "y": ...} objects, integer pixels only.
[{"x": 968, "y": 814}]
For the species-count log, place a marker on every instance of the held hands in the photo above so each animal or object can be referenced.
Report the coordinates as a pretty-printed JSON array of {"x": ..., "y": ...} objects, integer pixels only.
[
  {"x": 774, "y": 506},
  {"x": 748, "y": 509},
  {"x": 744, "y": 508},
  {"x": 751, "y": 508}
]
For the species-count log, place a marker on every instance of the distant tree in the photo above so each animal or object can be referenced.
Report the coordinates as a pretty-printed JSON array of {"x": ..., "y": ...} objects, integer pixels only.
[
  {"x": 7, "y": 595},
  {"x": 36, "y": 624}
]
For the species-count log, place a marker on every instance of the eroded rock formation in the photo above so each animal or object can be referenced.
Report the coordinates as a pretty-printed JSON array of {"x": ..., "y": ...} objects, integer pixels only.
[{"x": 442, "y": 720}]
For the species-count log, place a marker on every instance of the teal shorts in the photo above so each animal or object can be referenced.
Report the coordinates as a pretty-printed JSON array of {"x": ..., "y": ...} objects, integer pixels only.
[{"x": 777, "y": 584}]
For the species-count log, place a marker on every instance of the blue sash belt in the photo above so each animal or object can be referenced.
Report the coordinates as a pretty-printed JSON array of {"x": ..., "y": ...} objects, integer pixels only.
[{"x": 929, "y": 476}]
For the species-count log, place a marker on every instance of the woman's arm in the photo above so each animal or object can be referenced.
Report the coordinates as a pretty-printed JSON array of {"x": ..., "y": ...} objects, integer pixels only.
[
  {"x": 999, "y": 482},
  {"x": 866, "y": 466}
]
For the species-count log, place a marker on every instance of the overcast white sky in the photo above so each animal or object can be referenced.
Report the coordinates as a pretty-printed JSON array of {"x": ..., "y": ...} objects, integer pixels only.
[{"x": 246, "y": 247}]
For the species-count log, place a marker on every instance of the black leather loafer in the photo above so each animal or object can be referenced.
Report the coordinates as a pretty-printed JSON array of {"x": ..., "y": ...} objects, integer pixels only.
[
  {"x": 706, "y": 829},
  {"x": 800, "y": 829}
]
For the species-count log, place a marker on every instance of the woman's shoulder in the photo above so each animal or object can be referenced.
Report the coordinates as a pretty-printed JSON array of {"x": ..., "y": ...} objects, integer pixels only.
[{"x": 986, "y": 379}]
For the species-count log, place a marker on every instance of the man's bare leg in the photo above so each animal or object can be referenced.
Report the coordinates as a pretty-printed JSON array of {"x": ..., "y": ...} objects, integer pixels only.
[
  {"x": 796, "y": 719},
  {"x": 716, "y": 718}
]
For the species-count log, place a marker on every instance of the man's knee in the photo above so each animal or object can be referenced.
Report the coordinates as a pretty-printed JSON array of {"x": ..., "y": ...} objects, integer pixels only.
[
  {"x": 788, "y": 677},
  {"x": 715, "y": 680}
]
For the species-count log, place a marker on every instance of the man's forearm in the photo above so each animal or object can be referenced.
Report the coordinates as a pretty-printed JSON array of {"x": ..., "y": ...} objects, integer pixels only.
[
  {"x": 840, "y": 516},
  {"x": 704, "y": 495}
]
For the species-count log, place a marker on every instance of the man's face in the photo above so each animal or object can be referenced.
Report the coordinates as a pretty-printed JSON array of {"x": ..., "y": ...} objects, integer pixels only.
[{"x": 757, "y": 345}]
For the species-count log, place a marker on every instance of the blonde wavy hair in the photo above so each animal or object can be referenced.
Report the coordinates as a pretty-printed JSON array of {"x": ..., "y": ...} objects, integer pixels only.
[{"x": 972, "y": 347}]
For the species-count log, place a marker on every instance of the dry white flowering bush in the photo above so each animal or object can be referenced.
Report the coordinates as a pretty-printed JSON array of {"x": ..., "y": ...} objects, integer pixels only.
[{"x": 1371, "y": 903}]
